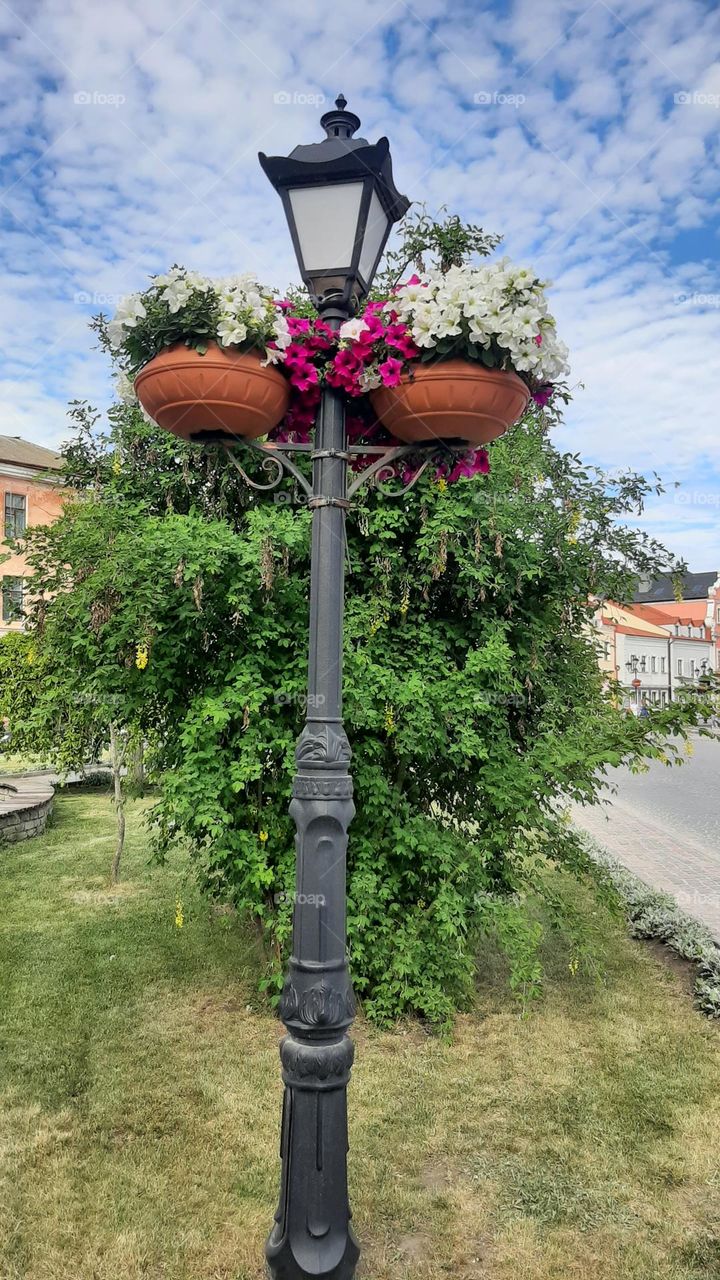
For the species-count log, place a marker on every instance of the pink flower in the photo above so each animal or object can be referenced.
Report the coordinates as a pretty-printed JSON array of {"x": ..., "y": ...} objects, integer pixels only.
[
  {"x": 538, "y": 339},
  {"x": 295, "y": 355},
  {"x": 282, "y": 304},
  {"x": 372, "y": 333},
  {"x": 298, "y": 324},
  {"x": 321, "y": 338},
  {"x": 400, "y": 338},
  {"x": 543, "y": 394},
  {"x": 390, "y": 371},
  {"x": 348, "y": 361},
  {"x": 304, "y": 376},
  {"x": 346, "y": 379},
  {"x": 472, "y": 463}
]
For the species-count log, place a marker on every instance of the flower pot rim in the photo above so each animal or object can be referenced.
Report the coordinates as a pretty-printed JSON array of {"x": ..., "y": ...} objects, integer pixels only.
[
  {"x": 463, "y": 364},
  {"x": 215, "y": 352}
]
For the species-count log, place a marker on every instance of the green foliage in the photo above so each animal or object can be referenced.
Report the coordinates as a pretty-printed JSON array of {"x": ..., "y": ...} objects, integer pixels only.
[
  {"x": 426, "y": 241},
  {"x": 176, "y": 598},
  {"x": 171, "y": 601},
  {"x": 194, "y": 324}
]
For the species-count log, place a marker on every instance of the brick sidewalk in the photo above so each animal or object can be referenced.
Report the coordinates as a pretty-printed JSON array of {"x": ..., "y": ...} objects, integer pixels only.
[{"x": 661, "y": 857}]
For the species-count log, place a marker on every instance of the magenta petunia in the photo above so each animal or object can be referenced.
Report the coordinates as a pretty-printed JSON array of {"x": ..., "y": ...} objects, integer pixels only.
[
  {"x": 295, "y": 355},
  {"x": 390, "y": 371},
  {"x": 298, "y": 324},
  {"x": 543, "y": 394}
]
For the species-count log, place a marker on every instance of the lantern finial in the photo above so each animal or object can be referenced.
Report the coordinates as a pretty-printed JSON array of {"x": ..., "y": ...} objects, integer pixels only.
[{"x": 340, "y": 123}]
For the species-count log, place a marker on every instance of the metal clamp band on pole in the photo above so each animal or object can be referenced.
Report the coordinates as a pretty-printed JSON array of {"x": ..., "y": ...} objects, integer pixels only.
[
  {"x": 331, "y": 453},
  {"x": 345, "y": 503}
]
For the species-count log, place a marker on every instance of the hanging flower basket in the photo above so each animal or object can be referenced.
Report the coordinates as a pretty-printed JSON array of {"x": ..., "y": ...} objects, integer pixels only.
[
  {"x": 451, "y": 400},
  {"x": 454, "y": 356},
  {"x": 224, "y": 390}
]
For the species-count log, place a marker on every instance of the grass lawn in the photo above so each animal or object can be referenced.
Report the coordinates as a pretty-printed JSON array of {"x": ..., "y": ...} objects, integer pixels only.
[
  {"x": 140, "y": 1099},
  {"x": 13, "y": 762}
]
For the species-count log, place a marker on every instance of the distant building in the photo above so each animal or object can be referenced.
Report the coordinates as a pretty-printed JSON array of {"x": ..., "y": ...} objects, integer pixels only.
[
  {"x": 689, "y": 600},
  {"x": 30, "y": 494},
  {"x": 652, "y": 653}
]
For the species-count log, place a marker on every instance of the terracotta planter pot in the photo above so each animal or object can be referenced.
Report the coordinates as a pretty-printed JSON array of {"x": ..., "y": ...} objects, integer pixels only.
[
  {"x": 452, "y": 400},
  {"x": 224, "y": 391}
]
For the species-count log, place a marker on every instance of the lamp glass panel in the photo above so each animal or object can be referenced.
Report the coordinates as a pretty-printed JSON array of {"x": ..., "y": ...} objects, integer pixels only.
[
  {"x": 326, "y": 219},
  {"x": 375, "y": 232}
]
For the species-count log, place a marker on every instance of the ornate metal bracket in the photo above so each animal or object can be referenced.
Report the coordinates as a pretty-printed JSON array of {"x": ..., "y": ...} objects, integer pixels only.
[
  {"x": 277, "y": 464},
  {"x": 384, "y": 467}
]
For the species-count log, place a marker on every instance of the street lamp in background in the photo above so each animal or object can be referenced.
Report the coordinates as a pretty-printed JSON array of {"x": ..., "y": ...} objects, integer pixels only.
[{"x": 633, "y": 666}]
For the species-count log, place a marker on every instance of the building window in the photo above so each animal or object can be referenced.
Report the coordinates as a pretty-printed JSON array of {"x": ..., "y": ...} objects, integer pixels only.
[
  {"x": 12, "y": 599},
  {"x": 15, "y": 515},
  {"x": 643, "y": 663},
  {"x": 653, "y": 665},
  {"x": 662, "y": 666},
  {"x": 680, "y": 662}
]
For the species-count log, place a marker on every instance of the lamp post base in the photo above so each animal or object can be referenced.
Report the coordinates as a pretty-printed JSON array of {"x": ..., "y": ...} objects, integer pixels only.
[
  {"x": 283, "y": 1265},
  {"x": 312, "y": 1238}
]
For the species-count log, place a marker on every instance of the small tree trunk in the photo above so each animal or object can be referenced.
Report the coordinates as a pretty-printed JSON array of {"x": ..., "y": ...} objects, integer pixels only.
[{"x": 115, "y": 757}]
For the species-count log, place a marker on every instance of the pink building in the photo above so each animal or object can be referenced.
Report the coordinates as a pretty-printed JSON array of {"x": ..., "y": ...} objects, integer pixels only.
[{"x": 30, "y": 494}]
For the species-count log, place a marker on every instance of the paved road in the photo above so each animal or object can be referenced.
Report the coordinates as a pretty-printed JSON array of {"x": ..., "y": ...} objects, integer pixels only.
[{"x": 665, "y": 826}]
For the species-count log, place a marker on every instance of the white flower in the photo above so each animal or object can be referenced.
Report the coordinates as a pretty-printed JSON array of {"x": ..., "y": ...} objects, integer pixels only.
[
  {"x": 422, "y": 327},
  {"x": 231, "y": 331},
  {"x": 124, "y": 388},
  {"x": 282, "y": 333},
  {"x": 175, "y": 273},
  {"x": 351, "y": 329},
  {"x": 446, "y": 321},
  {"x": 370, "y": 381},
  {"x": 495, "y": 302},
  {"x": 177, "y": 293},
  {"x": 116, "y": 334},
  {"x": 129, "y": 311},
  {"x": 198, "y": 282}
]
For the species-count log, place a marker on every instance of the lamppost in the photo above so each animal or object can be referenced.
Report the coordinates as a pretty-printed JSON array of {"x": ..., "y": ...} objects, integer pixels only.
[
  {"x": 341, "y": 202},
  {"x": 632, "y": 666}
]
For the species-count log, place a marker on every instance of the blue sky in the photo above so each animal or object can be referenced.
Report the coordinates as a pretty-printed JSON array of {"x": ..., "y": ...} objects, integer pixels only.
[{"x": 586, "y": 133}]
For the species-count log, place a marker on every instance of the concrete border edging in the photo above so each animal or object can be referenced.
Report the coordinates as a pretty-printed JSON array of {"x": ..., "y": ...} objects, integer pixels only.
[{"x": 25, "y": 806}]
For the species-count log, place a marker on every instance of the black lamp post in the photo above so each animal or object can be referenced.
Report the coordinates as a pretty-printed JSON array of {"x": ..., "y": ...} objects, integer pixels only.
[
  {"x": 340, "y": 202},
  {"x": 632, "y": 667}
]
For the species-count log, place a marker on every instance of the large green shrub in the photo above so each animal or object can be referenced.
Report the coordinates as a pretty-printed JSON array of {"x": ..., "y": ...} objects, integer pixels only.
[{"x": 474, "y": 703}]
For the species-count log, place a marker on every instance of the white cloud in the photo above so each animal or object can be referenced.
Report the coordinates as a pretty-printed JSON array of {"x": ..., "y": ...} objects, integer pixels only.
[{"x": 590, "y": 178}]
